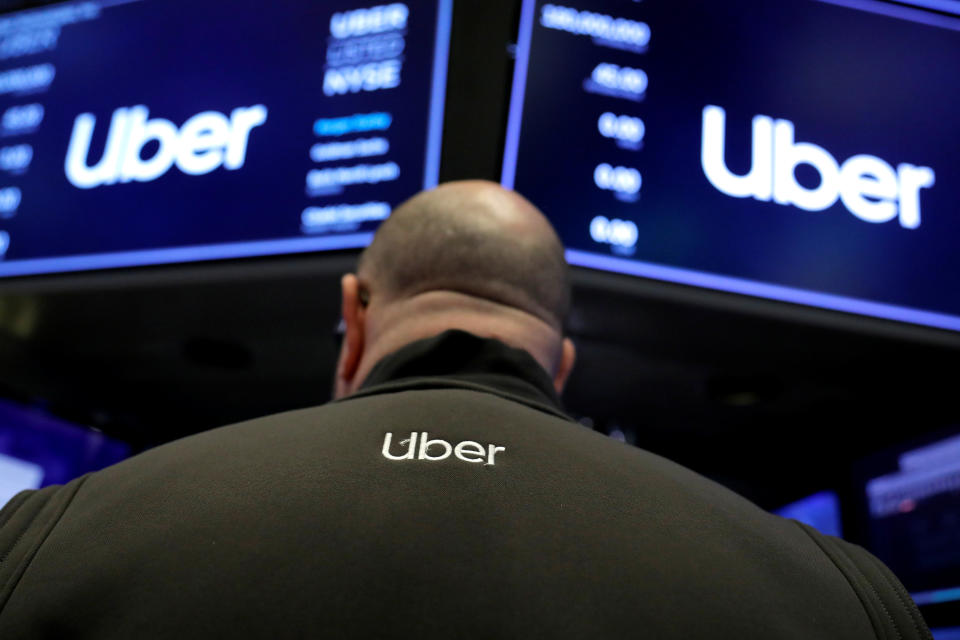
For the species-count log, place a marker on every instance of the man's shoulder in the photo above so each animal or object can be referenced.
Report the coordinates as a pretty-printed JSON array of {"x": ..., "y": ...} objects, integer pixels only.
[
  {"x": 25, "y": 522},
  {"x": 882, "y": 596},
  {"x": 536, "y": 512}
]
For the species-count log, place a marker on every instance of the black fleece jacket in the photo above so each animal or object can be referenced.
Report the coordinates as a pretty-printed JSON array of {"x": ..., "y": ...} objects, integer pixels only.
[{"x": 451, "y": 497}]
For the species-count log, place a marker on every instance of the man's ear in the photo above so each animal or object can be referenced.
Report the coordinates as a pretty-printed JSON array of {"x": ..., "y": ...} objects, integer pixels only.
[
  {"x": 353, "y": 313},
  {"x": 568, "y": 356}
]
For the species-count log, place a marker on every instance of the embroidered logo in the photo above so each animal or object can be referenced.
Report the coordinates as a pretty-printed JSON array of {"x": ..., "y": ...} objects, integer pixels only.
[{"x": 419, "y": 446}]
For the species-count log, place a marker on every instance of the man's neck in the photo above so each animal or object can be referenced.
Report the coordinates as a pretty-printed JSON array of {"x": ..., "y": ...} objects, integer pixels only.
[{"x": 397, "y": 323}]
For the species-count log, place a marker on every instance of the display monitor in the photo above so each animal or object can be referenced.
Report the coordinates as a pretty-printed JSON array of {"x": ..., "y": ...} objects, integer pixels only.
[
  {"x": 37, "y": 449},
  {"x": 797, "y": 150},
  {"x": 137, "y": 132},
  {"x": 913, "y": 517}
]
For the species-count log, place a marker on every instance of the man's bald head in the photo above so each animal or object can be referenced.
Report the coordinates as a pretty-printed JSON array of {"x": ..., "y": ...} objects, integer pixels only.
[
  {"x": 473, "y": 238},
  {"x": 467, "y": 255}
]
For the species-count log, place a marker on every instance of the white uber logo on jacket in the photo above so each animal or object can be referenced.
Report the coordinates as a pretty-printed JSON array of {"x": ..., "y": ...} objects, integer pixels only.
[{"x": 434, "y": 450}]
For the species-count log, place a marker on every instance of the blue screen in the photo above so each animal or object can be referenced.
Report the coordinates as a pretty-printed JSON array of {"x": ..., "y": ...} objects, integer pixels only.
[
  {"x": 914, "y": 519},
  {"x": 820, "y": 510},
  {"x": 37, "y": 450},
  {"x": 148, "y": 131},
  {"x": 799, "y": 150}
]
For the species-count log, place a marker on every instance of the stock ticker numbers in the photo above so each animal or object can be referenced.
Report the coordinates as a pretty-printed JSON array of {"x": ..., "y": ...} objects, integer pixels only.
[
  {"x": 613, "y": 93},
  {"x": 26, "y": 75}
]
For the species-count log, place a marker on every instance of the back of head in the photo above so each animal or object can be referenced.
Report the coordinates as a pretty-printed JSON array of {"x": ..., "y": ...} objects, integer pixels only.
[
  {"x": 467, "y": 255},
  {"x": 473, "y": 238}
]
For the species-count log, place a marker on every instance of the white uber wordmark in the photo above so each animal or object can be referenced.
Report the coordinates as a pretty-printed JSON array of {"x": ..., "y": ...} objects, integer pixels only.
[
  {"x": 869, "y": 187},
  {"x": 205, "y": 142},
  {"x": 372, "y": 39},
  {"x": 419, "y": 446}
]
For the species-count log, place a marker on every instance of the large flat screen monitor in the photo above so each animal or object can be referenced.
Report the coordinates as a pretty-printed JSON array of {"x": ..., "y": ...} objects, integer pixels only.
[
  {"x": 798, "y": 150},
  {"x": 139, "y": 132}
]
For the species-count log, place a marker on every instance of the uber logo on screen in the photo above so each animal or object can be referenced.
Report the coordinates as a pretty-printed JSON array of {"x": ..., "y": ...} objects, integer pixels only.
[
  {"x": 205, "y": 142},
  {"x": 869, "y": 187}
]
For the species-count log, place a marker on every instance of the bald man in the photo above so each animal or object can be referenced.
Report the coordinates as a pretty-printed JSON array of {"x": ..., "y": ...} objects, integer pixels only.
[
  {"x": 469, "y": 256},
  {"x": 444, "y": 494}
]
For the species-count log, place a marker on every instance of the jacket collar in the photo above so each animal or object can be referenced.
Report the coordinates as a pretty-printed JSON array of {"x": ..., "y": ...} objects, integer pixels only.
[{"x": 457, "y": 359}]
